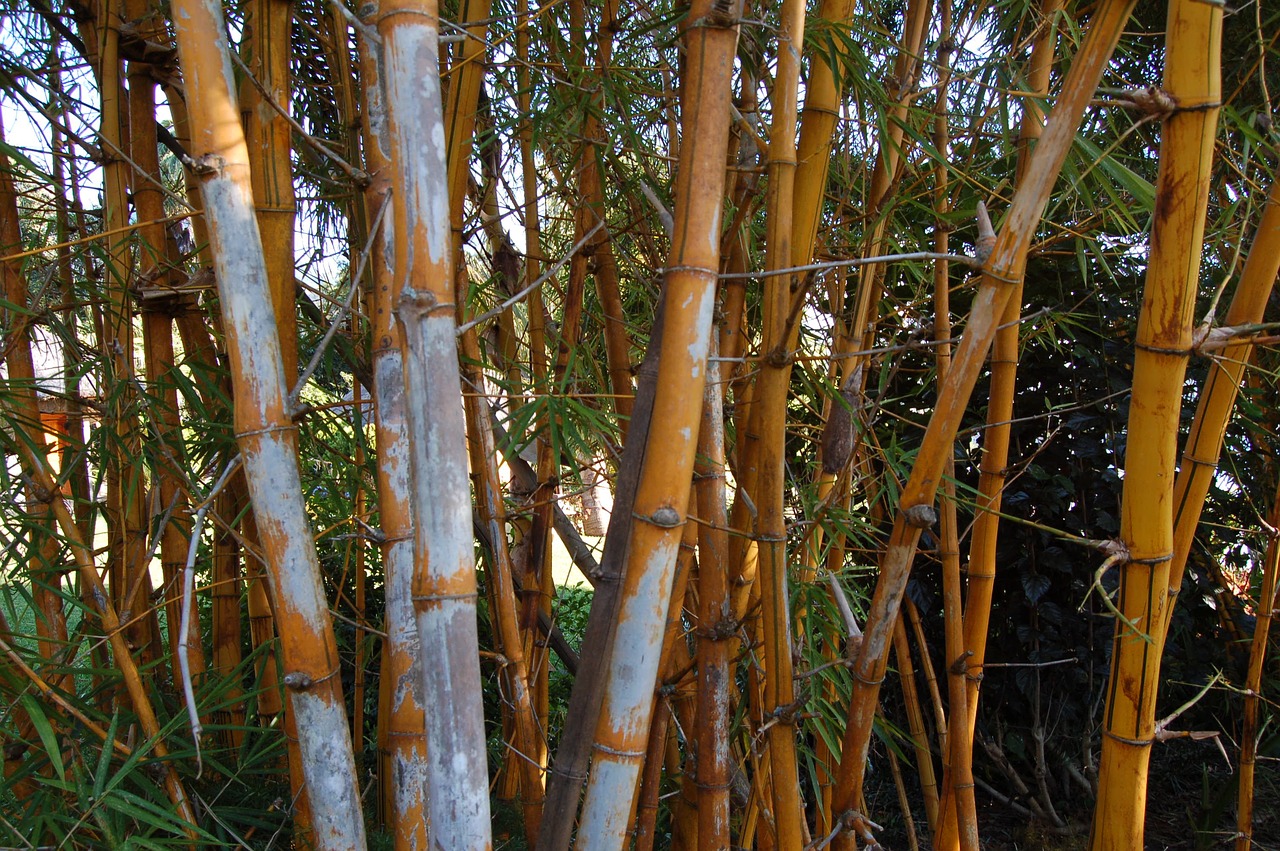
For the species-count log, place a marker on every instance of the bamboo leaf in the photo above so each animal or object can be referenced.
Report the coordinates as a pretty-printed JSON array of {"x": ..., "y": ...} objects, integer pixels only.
[{"x": 44, "y": 729}]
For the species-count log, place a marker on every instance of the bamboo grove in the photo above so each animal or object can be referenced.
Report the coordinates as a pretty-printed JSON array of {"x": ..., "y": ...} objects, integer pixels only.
[{"x": 925, "y": 350}]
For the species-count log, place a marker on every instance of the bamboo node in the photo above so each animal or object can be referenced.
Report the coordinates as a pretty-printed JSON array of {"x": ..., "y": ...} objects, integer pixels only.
[
  {"x": 618, "y": 752},
  {"x": 723, "y": 14},
  {"x": 440, "y": 598},
  {"x": 423, "y": 300},
  {"x": 778, "y": 357},
  {"x": 298, "y": 681},
  {"x": 664, "y": 517},
  {"x": 920, "y": 516},
  {"x": 271, "y": 429},
  {"x": 1137, "y": 743},
  {"x": 961, "y": 664},
  {"x": 867, "y": 681},
  {"x": 1165, "y": 350},
  {"x": 721, "y": 630},
  {"x": 205, "y": 165}
]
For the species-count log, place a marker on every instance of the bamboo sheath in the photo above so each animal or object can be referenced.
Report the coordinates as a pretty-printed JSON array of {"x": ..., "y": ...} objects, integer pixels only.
[
  {"x": 1004, "y": 267},
  {"x": 444, "y": 588},
  {"x": 1192, "y": 78},
  {"x": 662, "y": 491},
  {"x": 265, "y": 431},
  {"x": 403, "y": 769}
]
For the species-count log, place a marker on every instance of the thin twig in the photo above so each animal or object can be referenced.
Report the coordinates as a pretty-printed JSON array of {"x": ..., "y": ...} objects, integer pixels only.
[
  {"x": 857, "y": 261},
  {"x": 668, "y": 224},
  {"x": 370, "y": 33},
  {"x": 986, "y": 665},
  {"x": 358, "y": 177},
  {"x": 343, "y": 310},
  {"x": 188, "y": 593}
]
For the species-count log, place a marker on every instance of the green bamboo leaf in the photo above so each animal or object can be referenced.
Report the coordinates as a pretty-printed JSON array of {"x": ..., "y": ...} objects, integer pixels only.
[
  {"x": 49, "y": 739},
  {"x": 100, "y": 776},
  {"x": 16, "y": 156}
]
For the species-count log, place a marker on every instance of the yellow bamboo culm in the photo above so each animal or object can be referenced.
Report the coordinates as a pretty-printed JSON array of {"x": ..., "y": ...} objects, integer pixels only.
[{"x": 1189, "y": 101}]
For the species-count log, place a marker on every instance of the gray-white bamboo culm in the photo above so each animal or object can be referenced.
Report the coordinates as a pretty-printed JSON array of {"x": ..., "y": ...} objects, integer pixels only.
[
  {"x": 444, "y": 589},
  {"x": 405, "y": 745},
  {"x": 265, "y": 430}
]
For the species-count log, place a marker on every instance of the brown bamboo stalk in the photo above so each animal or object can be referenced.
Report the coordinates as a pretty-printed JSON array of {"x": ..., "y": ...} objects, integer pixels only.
[
  {"x": 230, "y": 503},
  {"x": 1005, "y": 266},
  {"x": 1217, "y": 397},
  {"x": 444, "y": 583},
  {"x": 957, "y": 781},
  {"x": 50, "y": 622},
  {"x": 74, "y": 463},
  {"x": 770, "y": 430},
  {"x": 915, "y": 724},
  {"x": 1004, "y": 366},
  {"x": 564, "y": 786},
  {"x": 153, "y": 272},
  {"x": 852, "y": 376},
  {"x": 538, "y": 574},
  {"x": 461, "y": 101},
  {"x": 19, "y": 408},
  {"x": 130, "y": 581},
  {"x": 527, "y": 740},
  {"x": 1192, "y": 79},
  {"x": 266, "y": 435},
  {"x": 715, "y": 622},
  {"x": 879, "y": 198},
  {"x": 662, "y": 492},
  {"x": 617, "y": 340},
  {"x": 912, "y": 614},
  {"x": 1267, "y": 603},
  {"x": 267, "y": 46},
  {"x": 733, "y": 245}
]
